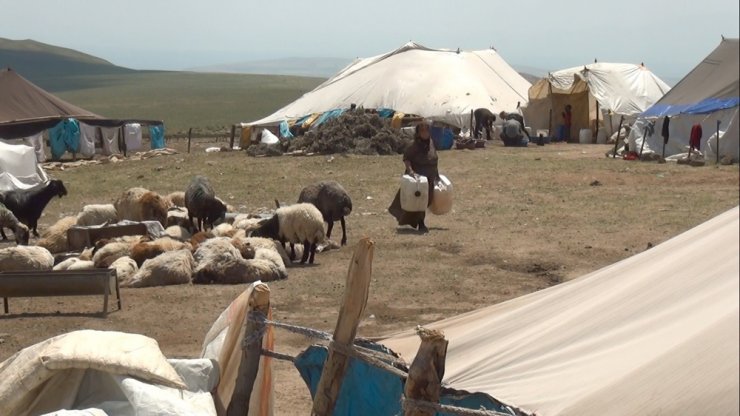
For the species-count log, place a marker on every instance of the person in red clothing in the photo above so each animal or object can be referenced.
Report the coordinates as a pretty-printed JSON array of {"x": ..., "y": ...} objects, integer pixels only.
[{"x": 567, "y": 122}]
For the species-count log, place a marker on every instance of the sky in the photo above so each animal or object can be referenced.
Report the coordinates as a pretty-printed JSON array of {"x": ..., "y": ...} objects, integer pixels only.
[{"x": 670, "y": 37}]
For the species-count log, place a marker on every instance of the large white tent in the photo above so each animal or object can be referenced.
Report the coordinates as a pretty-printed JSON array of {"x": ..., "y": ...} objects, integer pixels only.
[
  {"x": 440, "y": 84},
  {"x": 603, "y": 91},
  {"x": 19, "y": 168},
  {"x": 706, "y": 95},
  {"x": 656, "y": 333}
]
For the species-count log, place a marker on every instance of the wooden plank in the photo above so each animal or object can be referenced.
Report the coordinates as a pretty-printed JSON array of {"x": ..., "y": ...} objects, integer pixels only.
[
  {"x": 350, "y": 314},
  {"x": 426, "y": 372},
  {"x": 259, "y": 301}
]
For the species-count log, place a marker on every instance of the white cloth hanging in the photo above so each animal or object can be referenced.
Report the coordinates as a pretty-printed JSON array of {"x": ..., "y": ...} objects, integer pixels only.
[
  {"x": 110, "y": 140},
  {"x": 87, "y": 139},
  {"x": 132, "y": 136}
]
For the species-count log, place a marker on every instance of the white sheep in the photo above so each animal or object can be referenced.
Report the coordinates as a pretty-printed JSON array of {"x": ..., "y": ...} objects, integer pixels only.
[
  {"x": 176, "y": 199},
  {"x": 74, "y": 263},
  {"x": 54, "y": 238},
  {"x": 145, "y": 250},
  {"x": 298, "y": 224},
  {"x": 9, "y": 220},
  {"x": 97, "y": 214},
  {"x": 178, "y": 216},
  {"x": 139, "y": 204},
  {"x": 171, "y": 268},
  {"x": 111, "y": 252},
  {"x": 223, "y": 230},
  {"x": 246, "y": 222},
  {"x": 220, "y": 262},
  {"x": 178, "y": 233},
  {"x": 125, "y": 268},
  {"x": 25, "y": 258},
  {"x": 260, "y": 242}
]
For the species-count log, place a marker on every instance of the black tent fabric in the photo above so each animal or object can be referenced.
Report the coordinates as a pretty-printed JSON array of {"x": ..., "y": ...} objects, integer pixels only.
[{"x": 26, "y": 109}]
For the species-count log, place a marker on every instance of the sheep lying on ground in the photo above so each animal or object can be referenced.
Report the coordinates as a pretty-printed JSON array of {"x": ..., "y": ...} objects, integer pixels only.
[
  {"x": 125, "y": 268},
  {"x": 259, "y": 242},
  {"x": 74, "y": 263},
  {"x": 298, "y": 224},
  {"x": 246, "y": 222},
  {"x": 25, "y": 258},
  {"x": 332, "y": 201},
  {"x": 220, "y": 262},
  {"x": 177, "y": 199},
  {"x": 179, "y": 216},
  {"x": 28, "y": 205},
  {"x": 202, "y": 204},
  {"x": 20, "y": 230},
  {"x": 198, "y": 238},
  {"x": 178, "y": 233},
  {"x": 171, "y": 268},
  {"x": 146, "y": 250},
  {"x": 224, "y": 230},
  {"x": 97, "y": 214},
  {"x": 54, "y": 238},
  {"x": 139, "y": 204},
  {"x": 108, "y": 251}
]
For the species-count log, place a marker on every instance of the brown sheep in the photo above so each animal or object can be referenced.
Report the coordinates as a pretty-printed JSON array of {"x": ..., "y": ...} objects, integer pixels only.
[
  {"x": 139, "y": 204},
  {"x": 146, "y": 250}
]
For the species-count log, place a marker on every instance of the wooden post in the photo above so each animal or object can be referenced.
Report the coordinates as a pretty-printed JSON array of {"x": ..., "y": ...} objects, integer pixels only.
[
  {"x": 350, "y": 313},
  {"x": 717, "y": 161},
  {"x": 426, "y": 372},
  {"x": 190, "y": 135},
  {"x": 597, "y": 122},
  {"x": 259, "y": 301},
  {"x": 616, "y": 142},
  {"x": 233, "y": 132}
]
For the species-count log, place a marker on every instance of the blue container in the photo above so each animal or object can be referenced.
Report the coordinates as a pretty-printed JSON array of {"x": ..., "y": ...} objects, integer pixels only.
[{"x": 443, "y": 138}]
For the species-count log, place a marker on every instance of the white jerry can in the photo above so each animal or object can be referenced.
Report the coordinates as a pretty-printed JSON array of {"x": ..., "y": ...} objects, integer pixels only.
[
  {"x": 414, "y": 193},
  {"x": 442, "y": 201}
]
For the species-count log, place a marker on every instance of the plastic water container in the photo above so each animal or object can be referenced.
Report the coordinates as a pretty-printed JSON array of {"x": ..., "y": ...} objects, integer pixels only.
[
  {"x": 442, "y": 201},
  {"x": 585, "y": 136},
  {"x": 601, "y": 136},
  {"x": 414, "y": 193}
]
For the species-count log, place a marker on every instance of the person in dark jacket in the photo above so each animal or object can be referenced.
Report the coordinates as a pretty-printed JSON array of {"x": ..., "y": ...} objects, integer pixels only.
[
  {"x": 518, "y": 117},
  {"x": 484, "y": 119},
  {"x": 420, "y": 158}
]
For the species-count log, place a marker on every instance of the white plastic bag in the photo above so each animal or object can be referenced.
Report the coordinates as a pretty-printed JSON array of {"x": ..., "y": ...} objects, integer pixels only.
[{"x": 442, "y": 201}]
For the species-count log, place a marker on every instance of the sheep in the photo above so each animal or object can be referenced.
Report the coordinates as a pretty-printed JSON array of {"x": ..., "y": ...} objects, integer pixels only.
[
  {"x": 220, "y": 262},
  {"x": 28, "y": 205},
  {"x": 198, "y": 238},
  {"x": 171, "y": 268},
  {"x": 54, "y": 238},
  {"x": 25, "y": 258},
  {"x": 139, "y": 204},
  {"x": 20, "y": 230},
  {"x": 74, "y": 263},
  {"x": 97, "y": 214},
  {"x": 146, "y": 250},
  {"x": 202, "y": 204},
  {"x": 178, "y": 216},
  {"x": 244, "y": 248},
  {"x": 224, "y": 230},
  {"x": 110, "y": 252},
  {"x": 177, "y": 199},
  {"x": 332, "y": 201},
  {"x": 246, "y": 222},
  {"x": 125, "y": 268},
  {"x": 298, "y": 223},
  {"x": 87, "y": 253},
  {"x": 259, "y": 242},
  {"x": 178, "y": 233}
]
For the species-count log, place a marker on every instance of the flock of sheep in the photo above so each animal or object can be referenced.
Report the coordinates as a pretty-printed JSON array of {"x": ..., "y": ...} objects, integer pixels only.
[{"x": 203, "y": 240}]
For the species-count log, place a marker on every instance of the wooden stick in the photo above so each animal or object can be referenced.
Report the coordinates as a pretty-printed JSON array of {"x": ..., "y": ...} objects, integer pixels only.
[
  {"x": 350, "y": 313},
  {"x": 190, "y": 133},
  {"x": 426, "y": 372},
  {"x": 259, "y": 301},
  {"x": 717, "y": 161},
  {"x": 233, "y": 132},
  {"x": 597, "y": 121}
]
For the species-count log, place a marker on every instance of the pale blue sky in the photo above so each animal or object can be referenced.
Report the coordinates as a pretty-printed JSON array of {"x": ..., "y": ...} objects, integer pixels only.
[{"x": 669, "y": 36}]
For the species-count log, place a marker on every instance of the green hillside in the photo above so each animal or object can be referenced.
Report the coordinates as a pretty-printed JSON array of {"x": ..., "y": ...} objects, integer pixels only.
[{"x": 42, "y": 63}]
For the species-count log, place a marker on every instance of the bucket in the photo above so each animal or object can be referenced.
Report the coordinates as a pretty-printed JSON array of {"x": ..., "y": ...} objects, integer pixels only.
[
  {"x": 585, "y": 136},
  {"x": 601, "y": 137}
]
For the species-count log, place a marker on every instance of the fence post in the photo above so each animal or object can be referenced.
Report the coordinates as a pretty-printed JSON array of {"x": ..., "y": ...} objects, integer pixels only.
[{"x": 426, "y": 372}]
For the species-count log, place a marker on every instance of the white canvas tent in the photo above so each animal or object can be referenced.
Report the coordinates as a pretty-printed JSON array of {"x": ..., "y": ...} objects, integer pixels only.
[
  {"x": 656, "y": 333},
  {"x": 18, "y": 167},
  {"x": 603, "y": 90},
  {"x": 440, "y": 84},
  {"x": 707, "y": 94}
]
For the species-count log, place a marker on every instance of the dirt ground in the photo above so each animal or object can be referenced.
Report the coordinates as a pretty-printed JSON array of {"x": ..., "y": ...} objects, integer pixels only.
[{"x": 524, "y": 219}]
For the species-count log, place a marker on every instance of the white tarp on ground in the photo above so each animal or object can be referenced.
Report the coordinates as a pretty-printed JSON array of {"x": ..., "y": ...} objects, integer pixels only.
[
  {"x": 707, "y": 94},
  {"x": 620, "y": 90},
  {"x": 656, "y": 333},
  {"x": 439, "y": 84},
  {"x": 18, "y": 167}
]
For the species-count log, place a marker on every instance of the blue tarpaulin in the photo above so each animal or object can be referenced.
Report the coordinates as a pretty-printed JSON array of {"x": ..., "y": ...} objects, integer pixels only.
[
  {"x": 285, "y": 130},
  {"x": 369, "y": 390},
  {"x": 705, "y": 106},
  {"x": 385, "y": 112},
  {"x": 65, "y": 136},
  {"x": 443, "y": 137},
  {"x": 156, "y": 134},
  {"x": 328, "y": 116}
]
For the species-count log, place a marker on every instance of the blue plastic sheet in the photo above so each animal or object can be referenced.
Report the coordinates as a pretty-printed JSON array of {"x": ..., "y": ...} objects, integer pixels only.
[
  {"x": 368, "y": 390},
  {"x": 705, "y": 106},
  {"x": 285, "y": 130},
  {"x": 386, "y": 112},
  {"x": 328, "y": 116},
  {"x": 65, "y": 136},
  {"x": 156, "y": 134}
]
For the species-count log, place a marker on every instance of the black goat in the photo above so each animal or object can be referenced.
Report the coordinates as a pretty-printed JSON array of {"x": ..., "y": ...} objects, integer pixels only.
[{"x": 28, "y": 205}]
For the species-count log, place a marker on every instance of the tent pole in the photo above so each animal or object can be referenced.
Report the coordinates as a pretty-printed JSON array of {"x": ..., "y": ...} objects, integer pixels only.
[
  {"x": 426, "y": 373},
  {"x": 233, "y": 132},
  {"x": 717, "y": 161},
  {"x": 597, "y": 120},
  {"x": 644, "y": 139},
  {"x": 616, "y": 142}
]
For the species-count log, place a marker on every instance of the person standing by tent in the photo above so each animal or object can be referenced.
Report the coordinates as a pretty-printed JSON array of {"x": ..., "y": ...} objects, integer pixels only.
[
  {"x": 517, "y": 117},
  {"x": 567, "y": 122},
  {"x": 484, "y": 119},
  {"x": 420, "y": 158}
]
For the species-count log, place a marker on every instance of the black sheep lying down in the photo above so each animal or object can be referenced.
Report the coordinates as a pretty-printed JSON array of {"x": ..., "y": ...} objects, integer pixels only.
[{"x": 27, "y": 206}]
